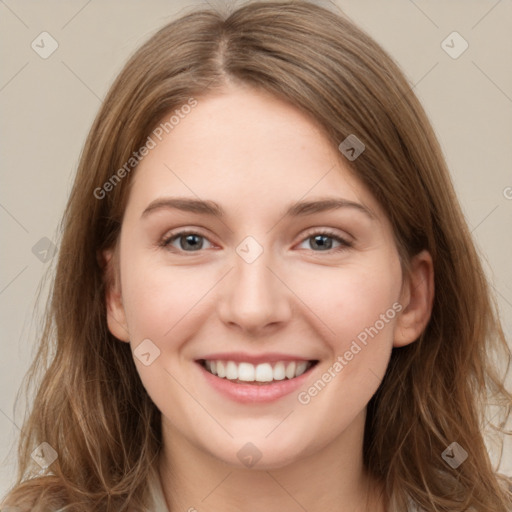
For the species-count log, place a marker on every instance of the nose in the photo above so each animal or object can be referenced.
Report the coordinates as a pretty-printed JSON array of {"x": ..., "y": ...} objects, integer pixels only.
[{"x": 253, "y": 298}]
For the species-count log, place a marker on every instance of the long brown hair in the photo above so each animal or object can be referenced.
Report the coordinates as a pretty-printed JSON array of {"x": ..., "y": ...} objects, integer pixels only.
[{"x": 91, "y": 406}]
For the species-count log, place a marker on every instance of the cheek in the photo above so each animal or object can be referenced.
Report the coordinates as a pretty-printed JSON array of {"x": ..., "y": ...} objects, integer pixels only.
[
  {"x": 361, "y": 311},
  {"x": 349, "y": 300},
  {"x": 367, "y": 306},
  {"x": 161, "y": 305},
  {"x": 157, "y": 297},
  {"x": 368, "y": 312}
]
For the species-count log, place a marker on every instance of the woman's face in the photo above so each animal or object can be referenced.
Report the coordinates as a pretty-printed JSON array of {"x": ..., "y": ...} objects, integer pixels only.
[{"x": 230, "y": 258}]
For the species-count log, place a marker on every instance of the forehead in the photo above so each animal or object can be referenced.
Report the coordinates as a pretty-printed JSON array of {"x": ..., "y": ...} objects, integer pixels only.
[{"x": 249, "y": 148}]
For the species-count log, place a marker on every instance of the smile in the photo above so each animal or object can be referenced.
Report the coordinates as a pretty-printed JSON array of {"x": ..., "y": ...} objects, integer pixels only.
[
  {"x": 265, "y": 379},
  {"x": 263, "y": 373}
]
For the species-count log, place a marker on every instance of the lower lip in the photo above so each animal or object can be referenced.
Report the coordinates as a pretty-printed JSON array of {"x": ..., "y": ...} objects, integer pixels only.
[{"x": 251, "y": 393}]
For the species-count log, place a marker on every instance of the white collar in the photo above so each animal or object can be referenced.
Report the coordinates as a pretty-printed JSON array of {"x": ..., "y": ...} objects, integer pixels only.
[{"x": 157, "y": 494}]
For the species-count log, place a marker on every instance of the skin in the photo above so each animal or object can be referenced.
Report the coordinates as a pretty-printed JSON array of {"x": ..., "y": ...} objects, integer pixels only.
[{"x": 254, "y": 155}]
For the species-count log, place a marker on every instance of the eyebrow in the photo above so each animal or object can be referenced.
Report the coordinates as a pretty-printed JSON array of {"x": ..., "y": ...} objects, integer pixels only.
[{"x": 297, "y": 209}]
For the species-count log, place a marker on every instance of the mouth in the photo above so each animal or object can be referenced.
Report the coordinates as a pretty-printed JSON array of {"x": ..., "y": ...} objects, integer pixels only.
[{"x": 262, "y": 374}]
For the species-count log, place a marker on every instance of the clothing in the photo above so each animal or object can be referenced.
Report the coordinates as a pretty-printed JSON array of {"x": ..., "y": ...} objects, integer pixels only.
[{"x": 157, "y": 494}]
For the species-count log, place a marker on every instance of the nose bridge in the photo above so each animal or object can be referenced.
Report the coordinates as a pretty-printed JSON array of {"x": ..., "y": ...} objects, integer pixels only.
[{"x": 254, "y": 297}]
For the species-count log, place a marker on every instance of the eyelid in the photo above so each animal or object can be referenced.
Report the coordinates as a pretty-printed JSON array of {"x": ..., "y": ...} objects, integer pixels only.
[
  {"x": 174, "y": 235},
  {"x": 347, "y": 238},
  {"x": 345, "y": 242}
]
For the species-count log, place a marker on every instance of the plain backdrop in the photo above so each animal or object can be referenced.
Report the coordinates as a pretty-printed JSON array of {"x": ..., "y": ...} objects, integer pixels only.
[{"x": 48, "y": 104}]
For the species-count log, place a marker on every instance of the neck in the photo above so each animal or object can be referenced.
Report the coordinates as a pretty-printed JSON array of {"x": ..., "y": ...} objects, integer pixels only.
[{"x": 331, "y": 478}]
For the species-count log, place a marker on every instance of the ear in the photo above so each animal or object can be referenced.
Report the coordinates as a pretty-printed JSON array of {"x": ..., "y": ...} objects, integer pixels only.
[
  {"x": 417, "y": 299},
  {"x": 116, "y": 317}
]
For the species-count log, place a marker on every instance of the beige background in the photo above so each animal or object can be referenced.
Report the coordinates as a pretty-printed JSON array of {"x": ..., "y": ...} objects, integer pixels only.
[{"x": 48, "y": 105}]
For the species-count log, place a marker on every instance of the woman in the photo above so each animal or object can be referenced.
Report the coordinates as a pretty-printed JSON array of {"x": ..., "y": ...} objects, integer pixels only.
[{"x": 267, "y": 297}]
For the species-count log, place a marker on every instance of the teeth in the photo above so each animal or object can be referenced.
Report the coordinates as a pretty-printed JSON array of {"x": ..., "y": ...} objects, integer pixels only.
[
  {"x": 301, "y": 368},
  {"x": 263, "y": 372},
  {"x": 221, "y": 371},
  {"x": 279, "y": 371},
  {"x": 243, "y": 371},
  {"x": 290, "y": 371}
]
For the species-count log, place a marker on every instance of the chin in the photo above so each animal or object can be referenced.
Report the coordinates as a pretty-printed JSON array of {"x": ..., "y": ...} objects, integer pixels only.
[{"x": 259, "y": 454}]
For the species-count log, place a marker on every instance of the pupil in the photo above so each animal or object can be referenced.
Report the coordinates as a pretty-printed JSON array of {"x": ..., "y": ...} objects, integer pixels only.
[
  {"x": 191, "y": 240},
  {"x": 320, "y": 241}
]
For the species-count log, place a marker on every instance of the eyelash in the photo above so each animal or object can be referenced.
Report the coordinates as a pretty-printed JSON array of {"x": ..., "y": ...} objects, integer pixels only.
[{"x": 344, "y": 244}]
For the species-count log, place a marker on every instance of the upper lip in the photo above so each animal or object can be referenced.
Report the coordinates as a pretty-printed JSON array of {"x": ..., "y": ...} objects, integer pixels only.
[{"x": 242, "y": 357}]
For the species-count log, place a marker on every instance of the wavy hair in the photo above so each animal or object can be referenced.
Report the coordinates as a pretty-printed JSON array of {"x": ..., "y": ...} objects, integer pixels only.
[{"x": 90, "y": 404}]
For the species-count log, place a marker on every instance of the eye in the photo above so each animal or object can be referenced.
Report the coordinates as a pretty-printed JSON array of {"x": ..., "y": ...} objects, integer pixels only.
[
  {"x": 323, "y": 241},
  {"x": 187, "y": 241},
  {"x": 319, "y": 241}
]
